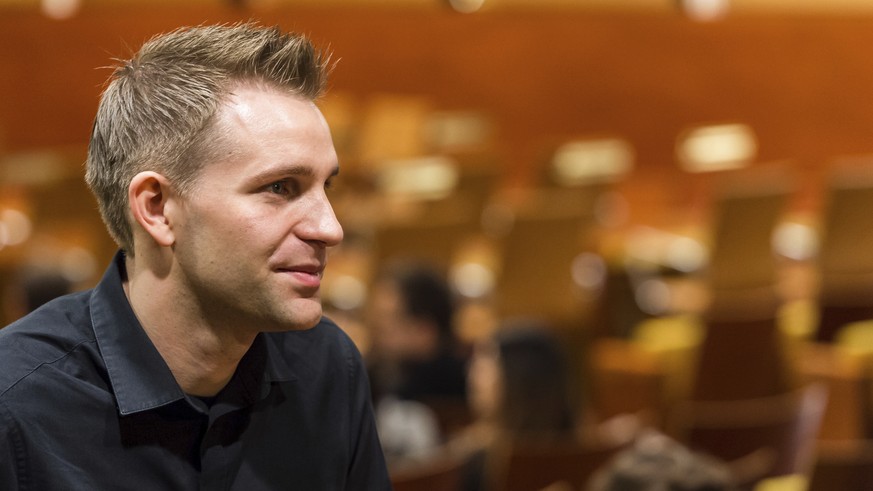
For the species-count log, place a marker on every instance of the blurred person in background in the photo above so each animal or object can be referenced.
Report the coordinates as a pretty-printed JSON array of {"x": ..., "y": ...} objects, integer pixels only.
[
  {"x": 202, "y": 359},
  {"x": 416, "y": 365}
]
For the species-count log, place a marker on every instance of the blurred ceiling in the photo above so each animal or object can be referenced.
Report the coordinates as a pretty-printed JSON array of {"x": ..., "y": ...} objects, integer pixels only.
[{"x": 817, "y": 7}]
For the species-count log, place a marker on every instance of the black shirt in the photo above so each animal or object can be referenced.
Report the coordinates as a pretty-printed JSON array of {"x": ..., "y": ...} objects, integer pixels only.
[{"x": 87, "y": 403}]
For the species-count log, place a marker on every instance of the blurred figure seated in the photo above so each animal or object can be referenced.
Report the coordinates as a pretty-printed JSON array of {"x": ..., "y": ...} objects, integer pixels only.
[
  {"x": 415, "y": 365},
  {"x": 520, "y": 388}
]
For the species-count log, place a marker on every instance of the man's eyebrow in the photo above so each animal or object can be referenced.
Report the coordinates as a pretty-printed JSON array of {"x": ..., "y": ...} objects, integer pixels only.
[{"x": 290, "y": 170}]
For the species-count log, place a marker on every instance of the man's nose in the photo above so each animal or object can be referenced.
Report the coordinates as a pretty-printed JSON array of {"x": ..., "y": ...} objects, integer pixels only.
[{"x": 322, "y": 224}]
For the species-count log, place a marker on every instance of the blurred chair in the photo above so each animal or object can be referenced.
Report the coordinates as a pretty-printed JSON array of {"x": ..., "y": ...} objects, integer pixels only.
[
  {"x": 675, "y": 340},
  {"x": 539, "y": 241},
  {"x": 748, "y": 205},
  {"x": 534, "y": 465},
  {"x": 741, "y": 358},
  {"x": 392, "y": 126},
  {"x": 741, "y": 270},
  {"x": 856, "y": 339},
  {"x": 435, "y": 241},
  {"x": 626, "y": 379},
  {"x": 422, "y": 214},
  {"x": 842, "y": 373},
  {"x": 782, "y": 428},
  {"x": 742, "y": 354},
  {"x": 845, "y": 263},
  {"x": 843, "y": 466},
  {"x": 442, "y": 473}
]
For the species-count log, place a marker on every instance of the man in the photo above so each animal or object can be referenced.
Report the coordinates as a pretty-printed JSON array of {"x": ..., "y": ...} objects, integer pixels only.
[{"x": 201, "y": 360}]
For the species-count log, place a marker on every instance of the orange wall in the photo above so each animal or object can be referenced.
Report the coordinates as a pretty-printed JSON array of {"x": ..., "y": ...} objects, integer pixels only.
[{"x": 804, "y": 83}]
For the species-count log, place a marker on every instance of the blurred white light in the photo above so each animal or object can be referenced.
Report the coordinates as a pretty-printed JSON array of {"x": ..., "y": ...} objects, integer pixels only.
[
  {"x": 18, "y": 226},
  {"x": 4, "y": 235},
  {"x": 795, "y": 241},
  {"x": 705, "y": 10},
  {"x": 653, "y": 296},
  {"x": 686, "y": 254},
  {"x": 426, "y": 177},
  {"x": 716, "y": 147},
  {"x": 347, "y": 292},
  {"x": 458, "y": 129},
  {"x": 594, "y": 160},
  {"x": 589, "y": 271},
  {"x": 472, "y": 280},
  {"x": 466, "y": 6},
  {"x": 60, "y": 9}
]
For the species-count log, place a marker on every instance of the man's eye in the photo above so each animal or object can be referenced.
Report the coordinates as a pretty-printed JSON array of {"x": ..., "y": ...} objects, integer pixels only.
[{"x": 281, "y": 187}]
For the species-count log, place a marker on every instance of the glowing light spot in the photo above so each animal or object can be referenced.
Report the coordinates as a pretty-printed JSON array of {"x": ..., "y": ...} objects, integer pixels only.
[
  {"x": 347, "y": 292},
  {"x": 18, "y": 226},
  {"x": 60, "y": 9},
  {"x": 472, "y": 280},
  {"x": 716, "y": 147},
  {"x": 795, "y": 241},
  {"x": 466, "y": 6},
  {"x": 589, "y": 271}
]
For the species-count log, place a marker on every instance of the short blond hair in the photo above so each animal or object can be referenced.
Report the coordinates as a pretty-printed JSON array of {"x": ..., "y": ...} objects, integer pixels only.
[{"x": 157, "y": 110}]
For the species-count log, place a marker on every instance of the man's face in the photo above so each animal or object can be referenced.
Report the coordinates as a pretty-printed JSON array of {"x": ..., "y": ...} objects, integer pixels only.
[{"x": 251, "y": 237}]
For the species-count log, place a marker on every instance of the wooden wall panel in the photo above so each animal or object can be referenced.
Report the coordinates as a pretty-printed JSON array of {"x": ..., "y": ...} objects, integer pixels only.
[{"x": 804, "y": 83}]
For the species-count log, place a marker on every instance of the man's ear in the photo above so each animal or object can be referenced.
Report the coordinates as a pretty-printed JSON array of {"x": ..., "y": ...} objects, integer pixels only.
[{"x": 148, "y": 194}]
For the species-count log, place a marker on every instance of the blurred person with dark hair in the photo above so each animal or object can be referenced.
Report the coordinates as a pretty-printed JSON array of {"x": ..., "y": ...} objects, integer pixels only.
[
  {"x": 415, "y": 362},
  {"x": 520, "y": 381},
  {"x": 521, "y": 386},
  {"x": 202, "y": 359}
]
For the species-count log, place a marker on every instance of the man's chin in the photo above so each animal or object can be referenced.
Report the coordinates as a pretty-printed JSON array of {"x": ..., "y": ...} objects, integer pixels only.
[{"x": 305, "y": 314}]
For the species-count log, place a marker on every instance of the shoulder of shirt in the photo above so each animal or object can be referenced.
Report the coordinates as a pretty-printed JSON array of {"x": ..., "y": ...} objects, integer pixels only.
[{"x": 44, "y": 336}]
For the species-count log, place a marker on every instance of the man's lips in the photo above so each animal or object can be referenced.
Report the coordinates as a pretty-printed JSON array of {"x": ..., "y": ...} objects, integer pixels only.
[{"x": 306, "y": 275}]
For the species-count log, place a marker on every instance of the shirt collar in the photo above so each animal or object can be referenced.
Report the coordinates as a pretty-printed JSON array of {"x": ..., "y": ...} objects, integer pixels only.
[{"x": 139, "y": 375}]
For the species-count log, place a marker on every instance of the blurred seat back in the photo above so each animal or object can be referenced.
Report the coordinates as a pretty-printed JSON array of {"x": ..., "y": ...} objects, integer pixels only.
[
  {"x": 534, "y": 465},
  {"x": 440, "y": 474},
  {"x": 539, "y": 242},
  {"x": 626, "y": 379},
  {"x": 843, "y": 466},
  {"x": 845, "y": 263},
  {"x": 843, "y": 375},
  {"x": 784, "y": 426},
  {"x": 741, "y": 359}
]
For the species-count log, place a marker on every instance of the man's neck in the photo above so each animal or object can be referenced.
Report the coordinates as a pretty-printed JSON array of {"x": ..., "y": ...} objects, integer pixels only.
[{"x": 201, "y": 356}]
